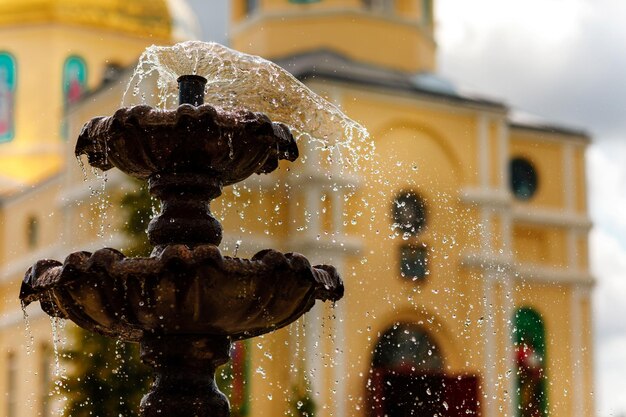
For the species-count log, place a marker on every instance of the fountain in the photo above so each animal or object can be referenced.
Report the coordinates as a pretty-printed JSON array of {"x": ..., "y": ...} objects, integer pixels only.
[{"x": 186, "y": 303}]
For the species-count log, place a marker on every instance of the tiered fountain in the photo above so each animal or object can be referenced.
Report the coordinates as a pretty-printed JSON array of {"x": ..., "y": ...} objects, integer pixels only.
[{"x": 186, "y": 303}]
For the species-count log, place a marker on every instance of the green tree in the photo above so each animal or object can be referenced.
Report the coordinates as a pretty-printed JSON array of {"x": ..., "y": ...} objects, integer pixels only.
[
  {"x": 139, "y": 207},
  {"x": 105, "y": 376}
]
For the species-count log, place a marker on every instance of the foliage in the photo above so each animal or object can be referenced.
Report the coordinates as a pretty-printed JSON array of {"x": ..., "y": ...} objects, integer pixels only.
[
  {"x": 139, "y": 207},
  {"x": 303, "y": 405},
  {"x": 105, "y": 377}
]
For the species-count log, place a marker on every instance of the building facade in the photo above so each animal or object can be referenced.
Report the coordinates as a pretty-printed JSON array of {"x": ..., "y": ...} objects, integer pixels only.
[{"x": 462, "y": 242}]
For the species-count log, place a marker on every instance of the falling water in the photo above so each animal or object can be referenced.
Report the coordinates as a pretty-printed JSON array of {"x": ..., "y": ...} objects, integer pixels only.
[{"x": 30, "y": 344}]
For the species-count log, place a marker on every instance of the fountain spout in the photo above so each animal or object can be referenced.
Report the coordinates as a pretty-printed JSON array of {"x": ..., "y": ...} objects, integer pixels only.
[{"x": 191, "y": 89}]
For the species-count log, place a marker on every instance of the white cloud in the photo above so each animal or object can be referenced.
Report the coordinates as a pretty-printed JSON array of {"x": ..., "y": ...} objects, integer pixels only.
[{"x": 559, "y": 58}]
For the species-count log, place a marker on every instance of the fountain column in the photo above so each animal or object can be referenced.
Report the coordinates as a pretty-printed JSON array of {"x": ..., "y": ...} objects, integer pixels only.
[{"x": 184, "y": 384}]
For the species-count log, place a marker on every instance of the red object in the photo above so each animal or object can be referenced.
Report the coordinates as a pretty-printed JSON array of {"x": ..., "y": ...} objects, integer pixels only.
[{"x": 404, "y": 393}]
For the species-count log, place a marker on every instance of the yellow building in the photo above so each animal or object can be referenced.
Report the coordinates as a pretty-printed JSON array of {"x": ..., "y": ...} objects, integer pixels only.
[{"x": 463, "y": 244}]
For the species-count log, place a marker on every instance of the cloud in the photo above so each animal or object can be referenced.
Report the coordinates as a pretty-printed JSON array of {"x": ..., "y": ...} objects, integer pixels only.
[{"x": 561, "y": 59}]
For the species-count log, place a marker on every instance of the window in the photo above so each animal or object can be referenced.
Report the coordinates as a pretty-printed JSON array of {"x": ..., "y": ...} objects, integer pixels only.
[
  {"x": 427, "y": 12},
  {"x": 74, "y": 79},
  {"x": 379, "y": 5},
  {"x": 414, "y": 262},
  {"x": 530, "y": 353},
  {"x": 32, "y": 232},
  {"x": 11, "y": 387},
  {"x": 112, "y": 72},
  {"x": 409, "y": 213},
  {"x": 45, "y": 380},
  {"x": 523, "y": 178},
  {"x": 251, "y": 6},
  {"x": 7, "y": 96}
]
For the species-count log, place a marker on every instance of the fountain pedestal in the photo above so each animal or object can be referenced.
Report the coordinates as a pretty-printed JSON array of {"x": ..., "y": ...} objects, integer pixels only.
[{"x": 184, "y": 384}]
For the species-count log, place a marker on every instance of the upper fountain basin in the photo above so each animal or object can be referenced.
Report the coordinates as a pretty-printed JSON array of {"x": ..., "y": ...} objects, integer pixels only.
[{"x": 228, "y": 145}]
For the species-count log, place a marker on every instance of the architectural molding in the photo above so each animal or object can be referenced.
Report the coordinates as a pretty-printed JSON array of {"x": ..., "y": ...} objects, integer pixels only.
[
  {"x": 325, "y": 247},
  {"x": 553, "y": 275},
  {"x": 81, "y": 191},
  {"x": 59, "y": 252},
  {"x": 482, "y": 133},
  {"x": 487, "y": 261},
  {"x": 262, "y": 16},
  {"x": 486, "y": 196},
  {"x": 15, "y": 317},
  {"x": 551, "y": 217}
]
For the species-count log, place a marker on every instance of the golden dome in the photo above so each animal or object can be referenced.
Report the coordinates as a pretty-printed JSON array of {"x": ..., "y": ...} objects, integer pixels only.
[{"x": 150, "y": 18}]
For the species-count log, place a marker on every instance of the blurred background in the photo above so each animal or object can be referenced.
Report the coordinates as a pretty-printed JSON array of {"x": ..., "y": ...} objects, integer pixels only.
[{"x": 482, "y": 248}]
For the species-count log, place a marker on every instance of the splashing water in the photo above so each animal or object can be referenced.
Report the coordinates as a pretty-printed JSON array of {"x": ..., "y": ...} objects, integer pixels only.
[
  {"x": 30, "y": 344},
  {"x": 239, "y": 81}
]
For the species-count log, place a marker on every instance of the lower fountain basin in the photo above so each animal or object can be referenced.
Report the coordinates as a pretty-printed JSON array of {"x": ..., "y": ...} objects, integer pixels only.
[{"x": 181, "y": 291}]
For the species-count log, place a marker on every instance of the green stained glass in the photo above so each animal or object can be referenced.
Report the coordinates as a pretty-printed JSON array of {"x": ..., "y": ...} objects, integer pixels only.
[
  {"x": 7, "y": 96},
  {"x": 530, "y": 352}
]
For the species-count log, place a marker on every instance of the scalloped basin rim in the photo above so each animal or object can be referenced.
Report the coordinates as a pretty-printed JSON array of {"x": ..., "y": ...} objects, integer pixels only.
[
  {"x": 181, "y": 291},
  {"x": 142, "y": 141}
]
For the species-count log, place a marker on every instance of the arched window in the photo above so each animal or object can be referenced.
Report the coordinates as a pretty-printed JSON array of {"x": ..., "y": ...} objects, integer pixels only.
[
  {"x": 408, "y": 378},
  {"x": 74, "y": 79},
  {"x": 529, "y": 340},
  {"x": 8, "y": 82},
  {"x": 407, "y": 346},
  {"x": 407, "y": 374}
]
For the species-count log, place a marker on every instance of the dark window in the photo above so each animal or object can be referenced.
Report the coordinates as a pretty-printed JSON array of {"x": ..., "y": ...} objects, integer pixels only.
[
  {"x": 414, "y": 262},
  {"x": 45, "y": 380},
  {"x": 11, "y": 387},
  {"x": 251, "y": 6},
  {"x": 32, "y": 232},
  {"x": 379, "y": 5},
  {"x": 409, "y": 213},
  {"x": 523, "y": 178},
  {"x": 427, "y": 12},
  {"x": 112, "y": 72}
]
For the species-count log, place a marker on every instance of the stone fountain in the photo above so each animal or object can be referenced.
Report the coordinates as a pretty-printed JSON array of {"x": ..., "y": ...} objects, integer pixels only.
[{"x": 187, "y": 302}]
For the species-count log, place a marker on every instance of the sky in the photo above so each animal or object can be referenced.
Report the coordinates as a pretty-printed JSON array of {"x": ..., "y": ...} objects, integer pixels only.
[{"x": 564, "y": 60}]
